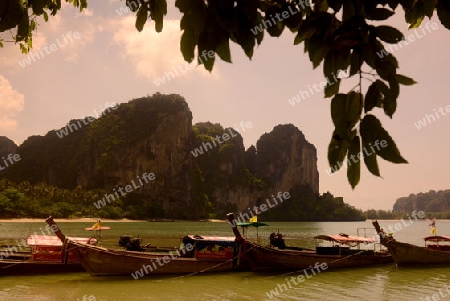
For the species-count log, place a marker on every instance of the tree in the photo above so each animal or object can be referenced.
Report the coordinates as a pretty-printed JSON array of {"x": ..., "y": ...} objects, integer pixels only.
[{"x": 339, "y": 34}]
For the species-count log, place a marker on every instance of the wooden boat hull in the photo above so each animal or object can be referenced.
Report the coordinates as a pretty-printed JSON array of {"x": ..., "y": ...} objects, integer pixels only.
[
  {"x": 405, "y": 254},
  {"x": 24, "y": 267},
  {"x": 106, "y": 262},
  {"x": 262, "y": 259}
]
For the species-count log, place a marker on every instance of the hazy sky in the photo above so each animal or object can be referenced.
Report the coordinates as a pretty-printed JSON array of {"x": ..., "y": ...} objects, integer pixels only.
[{"x": 98, "y": 57}]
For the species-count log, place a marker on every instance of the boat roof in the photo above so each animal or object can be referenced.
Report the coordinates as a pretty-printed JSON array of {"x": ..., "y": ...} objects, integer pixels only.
[
  {"x": 47, "y": 240},
  {"x": 212, "y": 238},
  {"x": 254, "y": 224},
  {"x": 436, "y": 238},
  {"x": 345, "y": 239}
]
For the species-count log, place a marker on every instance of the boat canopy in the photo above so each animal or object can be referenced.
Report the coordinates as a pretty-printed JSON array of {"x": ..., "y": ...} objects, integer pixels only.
[
  {"x": 346, "y": 239},
  {"x": 437, "y": 238},
  {"x": 211, "y": 238},
  {"x": 254, "y": 224},
  {"x": 47, "y": 240}
]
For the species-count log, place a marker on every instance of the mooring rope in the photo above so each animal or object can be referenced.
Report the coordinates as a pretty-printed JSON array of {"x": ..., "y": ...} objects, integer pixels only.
[
  {"x": 207, "y": 269},
  {"x": 312, "y": 267},
  {"x": 13, "y": 264}
]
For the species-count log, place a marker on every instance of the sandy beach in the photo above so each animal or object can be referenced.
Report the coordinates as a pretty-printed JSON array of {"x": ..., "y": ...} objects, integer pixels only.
[{"x": 67, "y": 220}]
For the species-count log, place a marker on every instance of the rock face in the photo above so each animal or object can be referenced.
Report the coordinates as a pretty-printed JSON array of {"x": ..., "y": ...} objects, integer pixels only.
[
  {"x": 7, "y": 146},
  {"x": 285, "y": 159},
  {"x": 198, "y": 169},
  {"x": 282, "y": 161}
]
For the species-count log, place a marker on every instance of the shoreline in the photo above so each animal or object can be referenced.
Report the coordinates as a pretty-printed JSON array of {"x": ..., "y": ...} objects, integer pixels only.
[{"x": 93, "y": 220}]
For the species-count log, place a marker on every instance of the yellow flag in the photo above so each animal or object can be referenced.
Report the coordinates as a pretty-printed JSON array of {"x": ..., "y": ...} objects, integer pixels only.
[
  {"x": 96, "y": 225},
  {"x": 433, "y": 230}
]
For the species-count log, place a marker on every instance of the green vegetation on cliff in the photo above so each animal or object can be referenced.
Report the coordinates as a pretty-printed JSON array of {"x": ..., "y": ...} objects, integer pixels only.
[
  {"x": 305, "y": 205},
  {"x": 201, "y": 171},
  {"x": 434, "y": 203}
]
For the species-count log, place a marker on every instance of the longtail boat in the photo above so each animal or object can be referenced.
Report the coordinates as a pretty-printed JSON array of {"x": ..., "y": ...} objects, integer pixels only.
[
  {"x": 405, "y": 254},
  {"x": 340, "y": 255},
  {"x": 198, "y": 254},
  {"x": 43, "y": 258}
]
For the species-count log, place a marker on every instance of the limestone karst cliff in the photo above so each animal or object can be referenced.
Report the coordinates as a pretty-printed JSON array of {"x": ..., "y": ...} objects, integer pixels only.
[
  {"x": 7, "y": 148},
  {"x": 195, "y": 173}
]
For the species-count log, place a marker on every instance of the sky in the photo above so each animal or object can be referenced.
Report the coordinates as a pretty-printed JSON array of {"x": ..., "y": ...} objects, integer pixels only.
[{"x": 87, "y": 61}]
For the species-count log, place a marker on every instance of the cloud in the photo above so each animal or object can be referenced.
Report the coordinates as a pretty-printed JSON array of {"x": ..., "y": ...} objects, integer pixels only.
[
  {"x": 11, "y": 103},
  {"x": 58, "y": 31},
  {"x": 153, "y": 54}
]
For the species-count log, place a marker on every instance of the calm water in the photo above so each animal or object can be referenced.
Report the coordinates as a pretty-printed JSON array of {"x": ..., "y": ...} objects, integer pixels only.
[{"x": 376, "y": 283}]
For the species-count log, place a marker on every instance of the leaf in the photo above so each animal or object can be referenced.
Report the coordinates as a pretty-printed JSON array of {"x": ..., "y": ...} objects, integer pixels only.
[
  {"x": 384, "y": 89},
  {"x": 390, "y": 100},
  {"x": 223, "y": 50},
  {"x": 141, "y": 18},
  {"x": 345, "y": 113},
  {"x": 387, "y": 66},
  {"x": 374, "y": 135},
  {"x": 354, "y": 166},
  {"x": 380, "y": 14},
  {"x": 38, "y": 6},
  {"x": 184, "y": 5},
  {"x": 443, "y": 12},
  {"x": 45, "y": 15},
  {"x": 416, "y": 22},
  {"x": 349, "y": 10},
  {"x": 428, "y": 7},
  {"x": 393, "y": 3},
  {"x": 335, "y": 4},
  {"x": 209, "y": 41},
  {"x": 353, "y": 108},
  {"x": 404, "y": 80},
  {"x": 373, "y": 97},
  {"x": 338, "y": 112},
  {"x": 274, "y": 27},
  {"x": 83, "y": 4},
  {"x": 388, "y": 34},
  {"x": 355, "y": 63},
  {"x": 260, "y": 35},
  {"x": 194, "y": 20},
  {"x": 342, "y": 60},
  {"x": 188, "y": 42},
  {"x": 306, "y": 30},
  {"x": 32, "y": 25},
  {"x": 332, "y": 89},
  {"x": 23, "y": 28},
  {"x": 317, "y": 51},
  {"x": 295, "y": 18},
  {"x": 329, "y": 66},
  {"x": 12, "y": 14},
  {"x": 157, "y": 13},
  {"x": 337, "y": 149},
  {"x": 371, "y": 161}
]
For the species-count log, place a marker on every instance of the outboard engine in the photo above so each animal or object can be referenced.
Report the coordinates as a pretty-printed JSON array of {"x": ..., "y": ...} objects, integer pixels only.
[
  {"x": 277, "y": 240},
  {"x": 130, "y": 244},
  {"x": 124, "y": 240}
]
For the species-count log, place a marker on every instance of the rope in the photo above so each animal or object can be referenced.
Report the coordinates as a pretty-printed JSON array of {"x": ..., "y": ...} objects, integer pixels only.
[
  {"x": 311, "y": 267},
  {"x": 11, "y": 265},
  {"x": 207, "y": 269}
]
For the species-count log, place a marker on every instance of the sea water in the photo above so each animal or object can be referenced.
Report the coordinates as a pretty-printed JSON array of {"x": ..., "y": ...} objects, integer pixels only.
[{"x": 385, "y": 282}]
